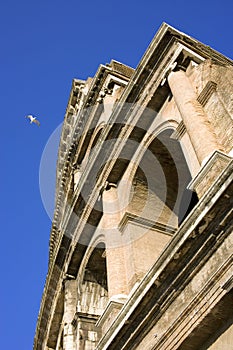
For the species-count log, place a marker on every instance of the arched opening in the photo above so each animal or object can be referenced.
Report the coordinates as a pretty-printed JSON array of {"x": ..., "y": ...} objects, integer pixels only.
[
  {"x": 94, "y": 141},
  {"x": 95, "y": 270},
  {"x": 94, "y": 289},
  {"x": 159, "y": 192},
  {"x": 81, "y": 163},
  {"x": 95, "y": 134},
  {"x": 91, "y": 298}
]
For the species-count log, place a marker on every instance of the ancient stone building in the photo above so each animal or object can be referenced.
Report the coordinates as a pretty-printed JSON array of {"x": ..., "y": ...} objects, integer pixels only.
[{"x": 141, "y": 240}]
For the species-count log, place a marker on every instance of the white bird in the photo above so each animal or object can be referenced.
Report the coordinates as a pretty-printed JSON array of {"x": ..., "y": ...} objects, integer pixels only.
[{"x": 33, "y": 119}]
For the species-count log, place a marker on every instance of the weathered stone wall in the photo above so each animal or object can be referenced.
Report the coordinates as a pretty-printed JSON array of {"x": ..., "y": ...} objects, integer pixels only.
[
  {"x": 214, "y": 88},
  {"x": 142, "y": 248},
  {"x": 193, "y": 303}
]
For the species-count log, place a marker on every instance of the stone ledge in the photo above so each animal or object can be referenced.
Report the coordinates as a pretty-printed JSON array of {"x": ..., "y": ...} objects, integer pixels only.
[
  {"x": 112, "y": 309},
  {"x": 209, "y": 173},
  {"x": 145, "y": 223}
]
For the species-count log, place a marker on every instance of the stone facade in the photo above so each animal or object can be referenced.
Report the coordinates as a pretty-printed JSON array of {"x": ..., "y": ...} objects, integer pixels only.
[{"x": 141, "y": 242}]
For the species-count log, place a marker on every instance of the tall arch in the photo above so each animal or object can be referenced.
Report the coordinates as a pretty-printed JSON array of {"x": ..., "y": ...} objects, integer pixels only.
[
  {"x": 92, "y": 277},
  {"x": 154, "y": 199},
  {"x": 159, "y": 178}
]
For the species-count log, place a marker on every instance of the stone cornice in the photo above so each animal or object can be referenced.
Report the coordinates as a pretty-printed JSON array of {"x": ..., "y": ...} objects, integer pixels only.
[
  {"x": 64, "y": 166},
  {"x": 50, "y": 294},
  {"x": 214, "y": 165},
  {"x": 146, "y": 223},
  {"x": 116, "y": 303},
  {"x": 163, "y": 42}
]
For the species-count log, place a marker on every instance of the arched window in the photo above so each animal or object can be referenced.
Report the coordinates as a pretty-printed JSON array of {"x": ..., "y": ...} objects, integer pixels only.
[
  {"x": 93, "y": 287},
  {"x": 159, "y": 191}
]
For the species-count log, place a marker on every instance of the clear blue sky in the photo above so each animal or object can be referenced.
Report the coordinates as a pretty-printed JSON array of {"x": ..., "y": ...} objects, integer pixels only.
[{"x": 44, "y": 45}]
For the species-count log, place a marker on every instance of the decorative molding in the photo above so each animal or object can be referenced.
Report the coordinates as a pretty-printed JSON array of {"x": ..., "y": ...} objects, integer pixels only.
[
  {"x": 179, "y": 132},
  {"x": 228, "y": 285},
  {"x": 115, "y": 303},
  {"x": 146, "y": 223},
  {"x": 207, "y": 92},
  {"x": 209, "y": 172}
]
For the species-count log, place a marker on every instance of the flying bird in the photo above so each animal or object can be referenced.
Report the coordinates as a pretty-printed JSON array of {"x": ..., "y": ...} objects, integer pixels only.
[{"x": 33, "y": 119}]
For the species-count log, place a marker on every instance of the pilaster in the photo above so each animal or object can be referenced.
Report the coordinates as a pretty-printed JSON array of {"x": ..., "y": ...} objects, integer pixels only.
[
  {"x": 194, "y": 117},
  {"x": 115, "y": 257},
  {"x": 70, "y": 304},
  {"x": 114, "y": 246}
]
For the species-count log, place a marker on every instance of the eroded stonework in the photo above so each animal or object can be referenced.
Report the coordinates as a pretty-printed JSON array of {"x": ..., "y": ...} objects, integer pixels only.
[{"x": 141, "y": 240}]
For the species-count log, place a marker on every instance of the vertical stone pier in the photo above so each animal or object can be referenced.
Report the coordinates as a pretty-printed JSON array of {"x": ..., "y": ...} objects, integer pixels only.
[
  {"x": 70, "y": 304},
  {"x": 115, "y": 257},
  {"x": 203, "y": 138},
  {"x": 114, "y": 244},
  {"x": 194, "y": 117}
]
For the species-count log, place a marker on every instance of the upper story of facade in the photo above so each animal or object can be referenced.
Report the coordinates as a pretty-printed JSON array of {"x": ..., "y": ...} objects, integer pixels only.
[{"x": 153, "y": 103}]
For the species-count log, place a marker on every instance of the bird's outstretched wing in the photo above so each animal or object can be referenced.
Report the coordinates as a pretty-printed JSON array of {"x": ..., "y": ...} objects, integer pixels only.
[
  {"x": 29, "y": 117},
  {"x": 36, "y": 122}
]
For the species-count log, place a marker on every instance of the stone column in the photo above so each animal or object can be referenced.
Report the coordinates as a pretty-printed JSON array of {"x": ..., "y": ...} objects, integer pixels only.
[
  {"x": 115, "y": 257},
  {"x": 70, "y": 305},
  {"x": 114, "y": 245},
  {"x": 194, "y": 117}
]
